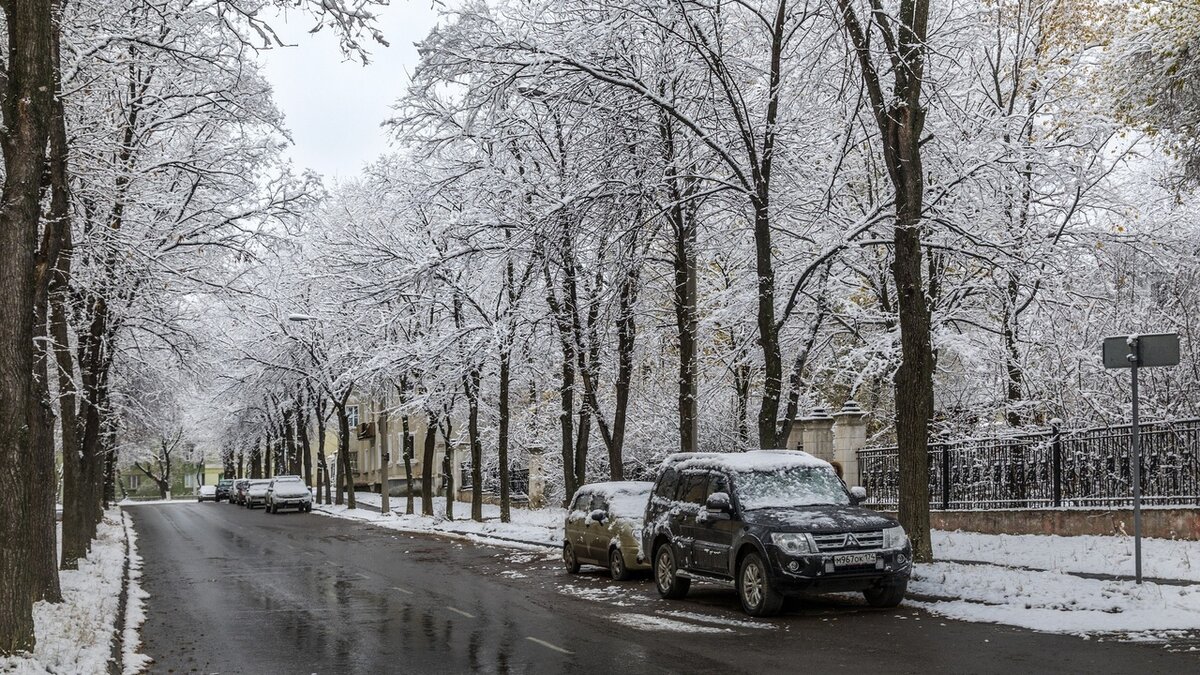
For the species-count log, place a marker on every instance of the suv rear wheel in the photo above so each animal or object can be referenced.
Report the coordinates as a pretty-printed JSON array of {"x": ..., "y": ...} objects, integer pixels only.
[
  {"x": 887, "y": 596},
  {"x": 569, "y": 559},
  {"x": 666, "y": 578},
  {"x": 754, "y": 588}
]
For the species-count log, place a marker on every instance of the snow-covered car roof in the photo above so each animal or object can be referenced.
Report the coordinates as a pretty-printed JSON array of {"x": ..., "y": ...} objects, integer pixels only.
[
  {"x": 626, "y": 498},
  {"x": 753, "y": 460},
  {"x": 208, "y": 488}
]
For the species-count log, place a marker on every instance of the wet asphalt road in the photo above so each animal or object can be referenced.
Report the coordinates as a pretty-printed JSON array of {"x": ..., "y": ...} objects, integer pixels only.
[{"x": 237, "y": 591}]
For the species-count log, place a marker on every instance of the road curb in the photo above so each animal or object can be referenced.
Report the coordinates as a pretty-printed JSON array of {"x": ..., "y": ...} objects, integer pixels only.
[{"x": 116, "y": 659}]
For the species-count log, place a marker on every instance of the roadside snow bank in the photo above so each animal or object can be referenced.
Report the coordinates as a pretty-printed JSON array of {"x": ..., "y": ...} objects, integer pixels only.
[
  {"x": 532, "y": 529},
  {"x": 75, "y": 636},
  {"x": 1054, "y": 602},
  {"x": 1161, "y": 558},
  {"x": 132, "y": 660}
]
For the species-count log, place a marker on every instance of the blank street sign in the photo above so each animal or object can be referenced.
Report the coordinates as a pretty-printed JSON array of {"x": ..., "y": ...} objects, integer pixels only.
[{"x": 1153, "y": 350}]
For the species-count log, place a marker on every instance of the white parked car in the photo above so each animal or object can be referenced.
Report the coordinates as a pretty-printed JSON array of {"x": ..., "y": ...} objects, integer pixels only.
[
  {"x": 288, "y": 492},
  {"x": 208, "y": 493},
  {"x": 256, "y": 492}
]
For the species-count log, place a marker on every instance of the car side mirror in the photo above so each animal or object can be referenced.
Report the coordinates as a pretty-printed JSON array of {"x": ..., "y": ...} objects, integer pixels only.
[
  {"x": 858, "y": 494},
  {"x": 599, "y": 515},
  {"x": 718, "y": 502}
]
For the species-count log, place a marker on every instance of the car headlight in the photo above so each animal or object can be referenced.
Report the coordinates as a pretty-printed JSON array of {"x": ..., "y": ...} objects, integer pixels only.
[
  {"x": 794, "y": 543},
  {"x": 894, "y": 537}
]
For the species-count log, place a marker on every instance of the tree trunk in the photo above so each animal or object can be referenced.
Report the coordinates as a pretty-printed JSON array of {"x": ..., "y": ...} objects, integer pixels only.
[
  {"x": 385, "y": 459},
  {"x": 28, "y": 90},
  {"x": 305, "y": 444},
  {"x": 901, "y": 119},
  {"x": 471, "y": 384},
  {"x": 447, "y": 466},
  {"x": 683, "y": 228},
  {"x": 267, "y": 450},
  {"x": 344, "y": 453},
  {"x": 427, "y": 463},
  {"x": 768, "y": 336},
  {"x": 256, "y": 454},
  {"x": 408, "y": 475},
  {"x": 502, "y": 434},
  {"x": 322, "y": 461}
]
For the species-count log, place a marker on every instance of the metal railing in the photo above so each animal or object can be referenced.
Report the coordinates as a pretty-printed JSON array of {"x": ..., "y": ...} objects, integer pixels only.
[
  {"x": 518, "y": 480},
  {"x": 1053, "y": 468}
]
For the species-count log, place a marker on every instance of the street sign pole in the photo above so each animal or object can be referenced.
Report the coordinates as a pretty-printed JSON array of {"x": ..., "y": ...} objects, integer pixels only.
[
  {"x": 1136, "y": 352},
  {"x": 1136, "y": 457}
]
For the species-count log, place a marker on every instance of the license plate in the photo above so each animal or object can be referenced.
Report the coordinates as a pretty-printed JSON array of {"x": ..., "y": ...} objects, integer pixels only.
[{"x": 854, "y": 559}]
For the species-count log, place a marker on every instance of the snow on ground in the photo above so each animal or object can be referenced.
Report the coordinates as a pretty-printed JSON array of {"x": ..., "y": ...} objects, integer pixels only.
[
  {"x": 1049, "y": 595},
  {"x": 1055, "y": 602},
  {"x": 1161, "y": 558},
  {"x": 651, "y": 622},
  {"x": 156, "y": 502},
  {"x": 530, "y": 529},
  {"x": 132, "y": 659},
  {"x": 74, "y": 636}
]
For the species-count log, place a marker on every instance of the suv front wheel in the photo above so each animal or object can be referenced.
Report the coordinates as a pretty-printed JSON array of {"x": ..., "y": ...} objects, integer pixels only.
[
  {"x": 670, "y": 585},
  {"x": 887, "y": 596},
  {"x": 754, "y": 588}
]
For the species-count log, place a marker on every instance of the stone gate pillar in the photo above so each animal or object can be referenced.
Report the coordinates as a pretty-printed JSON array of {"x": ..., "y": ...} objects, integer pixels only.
[
  {"x": 817, "y": 434},
  {"x": 849, "y": 436},
  {"x": 537, "y": 477}
]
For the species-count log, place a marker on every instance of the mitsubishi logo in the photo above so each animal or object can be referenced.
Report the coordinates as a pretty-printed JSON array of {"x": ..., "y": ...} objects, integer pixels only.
[{"x": 849, "y": 541}]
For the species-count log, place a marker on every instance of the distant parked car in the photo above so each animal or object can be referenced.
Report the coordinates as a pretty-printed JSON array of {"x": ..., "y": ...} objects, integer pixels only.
[
  {"x": 238, "y": 494},
  {"x": 224, "y": 488},
  {"x": 770, "y": 523},
  {"x": 604, "y": 527},
  {"x": 288, "y": 492},
  {"x": 256, "y": 492},
  {"x": 208, "y": 493}
]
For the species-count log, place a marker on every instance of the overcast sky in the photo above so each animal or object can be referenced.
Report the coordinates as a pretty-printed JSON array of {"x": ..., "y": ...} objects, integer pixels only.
[{"x": 334, "y": 106}]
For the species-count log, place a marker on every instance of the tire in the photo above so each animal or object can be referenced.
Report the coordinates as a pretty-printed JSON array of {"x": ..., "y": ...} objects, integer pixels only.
[
  {"x": 616, "y": 565},
  {"x": 570, "y": 560},
  {"x": 666, "y": 575},
  {"x": 887, "y": 596},
  {"x": 754, "y": 588}
]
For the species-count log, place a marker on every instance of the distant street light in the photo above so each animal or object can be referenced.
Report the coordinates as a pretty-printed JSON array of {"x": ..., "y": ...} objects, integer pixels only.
[{"x": 301, "y": 317}]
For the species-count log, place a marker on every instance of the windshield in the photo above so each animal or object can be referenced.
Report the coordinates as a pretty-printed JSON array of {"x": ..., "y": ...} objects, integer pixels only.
[{"x": 795, "y": 486}]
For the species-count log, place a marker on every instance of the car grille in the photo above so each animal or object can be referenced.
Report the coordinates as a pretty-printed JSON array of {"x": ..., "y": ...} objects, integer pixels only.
[{"x": 849, "y": 541}]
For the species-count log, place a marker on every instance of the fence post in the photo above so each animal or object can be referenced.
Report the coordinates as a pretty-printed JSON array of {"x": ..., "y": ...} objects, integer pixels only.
[
  {"x": 1056, "y": 459},
  {"x": 946, "y": 477}
]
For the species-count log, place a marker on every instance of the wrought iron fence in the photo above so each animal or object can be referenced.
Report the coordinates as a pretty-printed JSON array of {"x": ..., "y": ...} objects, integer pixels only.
[
  {"x": 518, "y": 480},
  {"x": 1053, "y": 468}
]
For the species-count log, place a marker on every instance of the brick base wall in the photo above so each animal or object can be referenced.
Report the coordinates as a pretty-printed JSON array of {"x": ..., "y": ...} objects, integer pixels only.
[{"x": 1157, "y": 522}]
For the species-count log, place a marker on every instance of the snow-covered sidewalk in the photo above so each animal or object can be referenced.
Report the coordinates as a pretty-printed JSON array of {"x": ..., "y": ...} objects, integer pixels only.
[
  {"x": 1033, "y": 581},
  {"x": 531, "y": 529},
  {"x": 75, "y": 636}
]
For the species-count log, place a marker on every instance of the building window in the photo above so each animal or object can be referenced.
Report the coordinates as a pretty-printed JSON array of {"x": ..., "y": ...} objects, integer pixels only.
[
  {"x": 135, "y": 481},
  {"x": 189, "y": 480},
  {"x": 352, "y": 415}
]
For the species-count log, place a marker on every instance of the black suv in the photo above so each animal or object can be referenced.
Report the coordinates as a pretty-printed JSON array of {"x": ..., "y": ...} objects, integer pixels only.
[
  {"x": 770, "y": 523},
  {"x": 224, "y": 489}
]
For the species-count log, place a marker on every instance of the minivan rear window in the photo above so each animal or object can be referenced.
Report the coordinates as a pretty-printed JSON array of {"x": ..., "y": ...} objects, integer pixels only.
[
  {"x": 694, "y": 489},
  {"x": 666, "y": 484}
]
